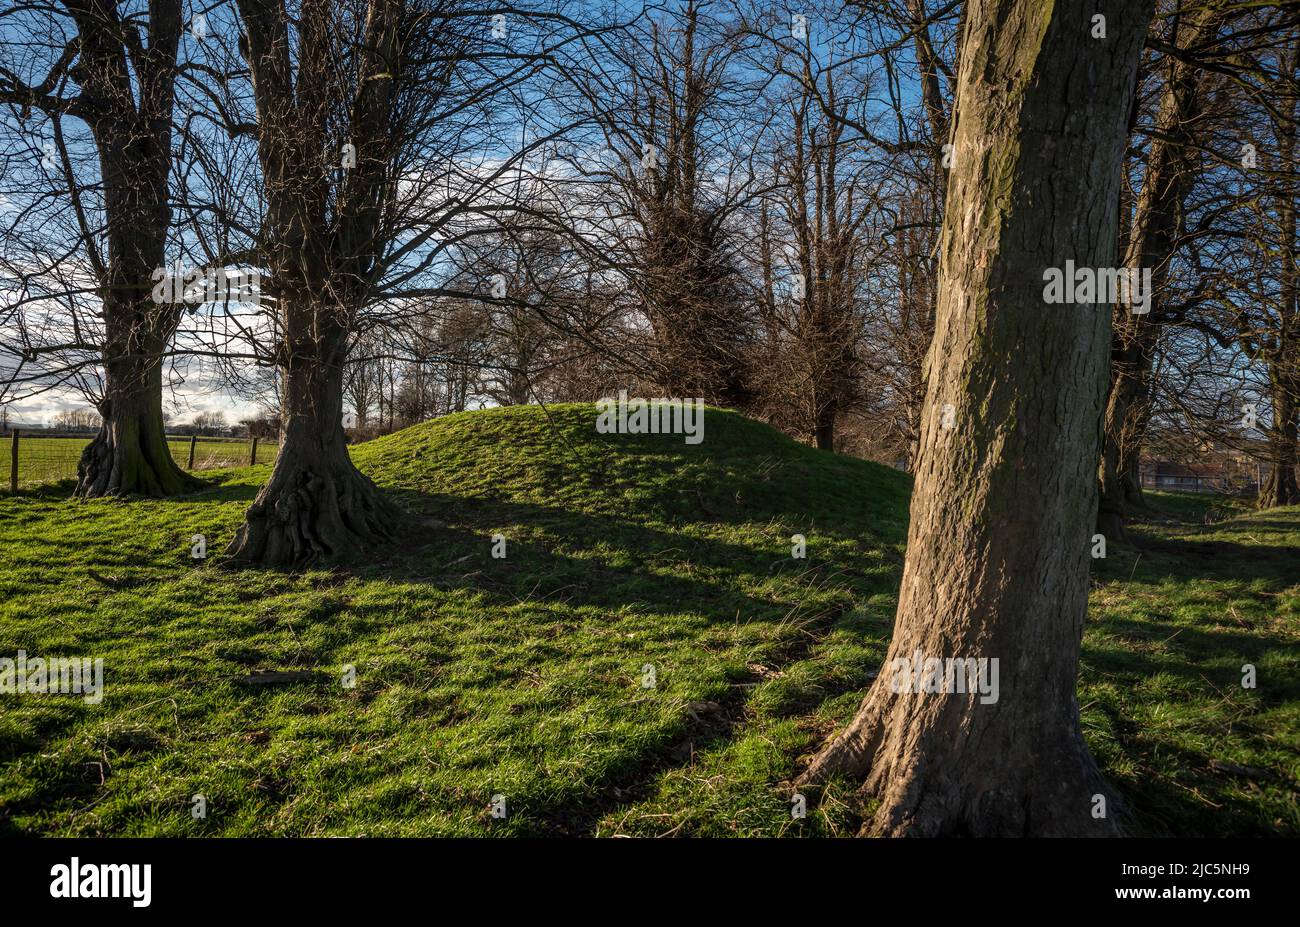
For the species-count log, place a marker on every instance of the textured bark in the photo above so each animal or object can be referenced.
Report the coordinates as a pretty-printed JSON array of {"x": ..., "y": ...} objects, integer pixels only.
[
  {"x": 1120, "y": 492},
  {"x": 1280, "y": 488},
  {"x": 998, "y": 546},
  {"x": 130, "y": 454},
  {"x": 323, "y": 259},
  {"x": 1282, "y": 350},
  {"x": 316, "y": 506},
  {"x": 1284, "y": 357}
]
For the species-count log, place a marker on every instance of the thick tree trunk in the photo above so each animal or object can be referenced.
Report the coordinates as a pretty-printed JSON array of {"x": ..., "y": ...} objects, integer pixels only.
[
  {"x": 1284, "y": 358},
  {"x": 1112, "y": 507},
  {"x": 322, "y": 237},
  {"x": 317, "y": 506},
  {"x": 1122, "y": 428},
  {"x": 1131, "y": 477},
  {"x": 130, "y": 454},
  {"x": 1006, "y": 491},
  {"x": 129, "y": 113}
]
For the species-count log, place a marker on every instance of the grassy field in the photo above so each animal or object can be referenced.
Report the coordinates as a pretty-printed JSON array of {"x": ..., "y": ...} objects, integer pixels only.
[
  {"x": 529, "y": 676},
  {"x": 44, "y": 460}
]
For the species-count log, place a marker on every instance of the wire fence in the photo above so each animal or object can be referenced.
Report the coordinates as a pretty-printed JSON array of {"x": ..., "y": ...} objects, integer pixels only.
[{"x": 37, "y": 458}]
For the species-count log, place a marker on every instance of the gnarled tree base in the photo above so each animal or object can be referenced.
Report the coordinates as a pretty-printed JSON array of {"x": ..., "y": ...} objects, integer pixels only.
[
  {"x": 936, "y": 775},
  {"x": 312, "y": 512},
  {"x": 1279, "y": 489},
  {"x": 127, "y": 458}
]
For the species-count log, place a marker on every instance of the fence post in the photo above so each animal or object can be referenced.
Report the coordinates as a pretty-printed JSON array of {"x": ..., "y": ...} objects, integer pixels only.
[
  {"x": 13, "y": 463},
  {"x": 252, "y": 452},
  {"x": 193, "y": 440}
]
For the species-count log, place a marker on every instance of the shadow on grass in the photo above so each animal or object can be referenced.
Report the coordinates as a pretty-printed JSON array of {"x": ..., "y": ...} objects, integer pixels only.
[
  {"x": 701, "y": 570},
  {"x": 451, "y": 550},
  {"x": 1176, "y": 796},
  {"x": 215, "y": 486},
  {"x": 1200, "y": 552},
  {"x": 1202, "y": 653},
  {"x": 716, "y": 571},
  {"x": 448, "y": 544}
]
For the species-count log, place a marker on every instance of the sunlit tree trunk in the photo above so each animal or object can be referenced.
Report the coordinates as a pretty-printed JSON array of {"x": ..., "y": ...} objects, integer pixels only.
[
  {"x": 317, "y": 505},
  {"x": 1006, "y": 492},
  {"x": 130, "y": 453}
]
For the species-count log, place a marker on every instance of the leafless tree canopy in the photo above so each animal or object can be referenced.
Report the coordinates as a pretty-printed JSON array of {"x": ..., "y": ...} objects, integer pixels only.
[{"x": 446, "y": 205}]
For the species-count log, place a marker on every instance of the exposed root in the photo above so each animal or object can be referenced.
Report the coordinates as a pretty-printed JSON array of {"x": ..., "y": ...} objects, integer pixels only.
[{"x": 311, "y": 515}]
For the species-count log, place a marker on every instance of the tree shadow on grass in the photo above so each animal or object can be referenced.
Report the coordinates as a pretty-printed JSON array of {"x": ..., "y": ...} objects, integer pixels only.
[
  {"x": 455, "y": 554},
  {"x": 1179, "y": 791},
  {"x": 696, "y": 575},
  {"x": 596, "y": 562},
  {"x": 1181, "y": 794},
  {"x": 644, "y": 565},
  {"x": 450, "y": 539},
  {"x": 1201, "y": 553},
  {"x": 1182, "y": 644},
  {"x": 214, "y": 487}
]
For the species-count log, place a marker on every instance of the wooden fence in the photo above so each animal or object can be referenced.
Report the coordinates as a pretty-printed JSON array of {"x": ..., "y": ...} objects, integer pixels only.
[{"x": 40, "y": 457}]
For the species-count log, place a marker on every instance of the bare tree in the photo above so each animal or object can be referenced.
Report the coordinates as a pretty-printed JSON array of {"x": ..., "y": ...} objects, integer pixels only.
[
  {"x": 818, "y": 217},
  {"x": 373, "y": 124},
  {"x": 210, "y": 423},
  {"x": 115, "y": 74},
  {"x": 1155, "y": 231},
  {"x": 77, "y": 420},
  {"x": 663, "y": 190}
]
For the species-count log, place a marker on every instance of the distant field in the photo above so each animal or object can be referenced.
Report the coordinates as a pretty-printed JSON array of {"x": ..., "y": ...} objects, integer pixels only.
[{"x": 49, "y": 460}]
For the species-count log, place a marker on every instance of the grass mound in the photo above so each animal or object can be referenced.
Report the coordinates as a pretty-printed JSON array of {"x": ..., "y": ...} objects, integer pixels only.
[
  {"x": 628, "y": 560},
  {"x": 647, "y": 658}
]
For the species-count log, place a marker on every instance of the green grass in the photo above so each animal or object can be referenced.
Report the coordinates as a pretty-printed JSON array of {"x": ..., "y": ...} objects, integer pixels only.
[
  {"x": 523, "y": 676},
  {"x": 43, "y": 460},
  {"x": 1173, "y": 625}
]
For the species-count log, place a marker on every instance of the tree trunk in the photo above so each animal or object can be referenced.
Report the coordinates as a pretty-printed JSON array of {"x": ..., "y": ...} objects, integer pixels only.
[
  {"x": 317, "y": 505},
  {"x": 1122, "y": 428},
  {"x": 1112, "y": 507},
  {"x": 1006, "y": 491},
  {"x": 1131, "y": 477},
  {"x": 1154, "y": 237},
  {"x": 129, "y": 113},
  {"x": 1280, "y": 487},
  {"x": 322, "y": 234},
  {"x": 824, "y": 432},
  {"x": 1284, "y": 358},
  {"x": 130, "y": 454}
]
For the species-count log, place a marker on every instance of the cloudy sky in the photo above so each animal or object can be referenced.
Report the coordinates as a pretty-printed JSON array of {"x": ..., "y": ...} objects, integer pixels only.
[{"x": 182, "y": 401}]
